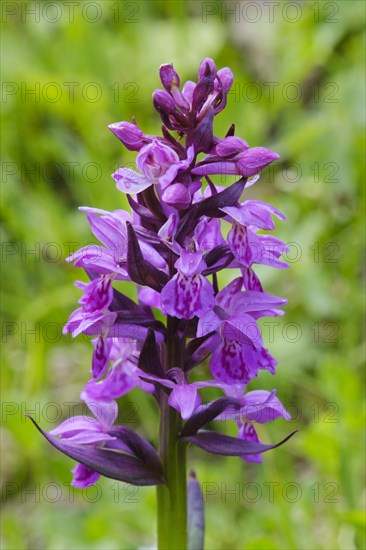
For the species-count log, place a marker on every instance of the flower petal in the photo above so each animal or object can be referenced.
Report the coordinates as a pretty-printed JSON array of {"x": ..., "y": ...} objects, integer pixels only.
[
  {"x": 83, "y": 476},
  {"x": 186, "y": 296},
  {"x": 254, "y": 160},
  {"x": 248, "y": 433},
  {"x": 108, "y": 462},
  {"x": 220, "y": 444},
  {"x": 245, "y": 245},
  {"x": 130, "y": 182},
  {"x": 185, "y": 399},
  {"x": 100, "y": 357}
]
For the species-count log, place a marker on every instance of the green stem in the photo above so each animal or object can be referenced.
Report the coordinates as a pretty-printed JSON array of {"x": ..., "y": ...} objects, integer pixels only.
[{"x": 172, "y": 497}]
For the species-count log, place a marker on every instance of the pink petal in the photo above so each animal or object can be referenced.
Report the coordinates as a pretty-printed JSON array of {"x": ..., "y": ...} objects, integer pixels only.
[
  {"x": 100, "y": 356},
  {"x": 184, "y": 399},
  {"x": 185, "y": 296},
  {"x": 248, "y": 433},
  {"x": 130, "y": 182},
  {"x": 228, "y": 365},
  {"x": 84, "y": 476}
]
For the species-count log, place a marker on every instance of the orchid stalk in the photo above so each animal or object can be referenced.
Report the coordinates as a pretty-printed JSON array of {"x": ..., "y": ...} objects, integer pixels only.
[{"x": 172, "y": 247}]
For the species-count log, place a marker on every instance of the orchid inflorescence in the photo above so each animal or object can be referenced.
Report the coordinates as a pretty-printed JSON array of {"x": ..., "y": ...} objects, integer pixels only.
[{"x": 172, "y": 246}]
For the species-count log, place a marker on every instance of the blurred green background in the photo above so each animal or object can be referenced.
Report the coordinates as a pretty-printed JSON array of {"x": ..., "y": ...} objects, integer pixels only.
[{"x": 299, "y": 90}]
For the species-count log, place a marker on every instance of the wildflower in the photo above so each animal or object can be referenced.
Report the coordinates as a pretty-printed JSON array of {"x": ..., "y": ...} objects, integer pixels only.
[{"x": 172, "y": 247}]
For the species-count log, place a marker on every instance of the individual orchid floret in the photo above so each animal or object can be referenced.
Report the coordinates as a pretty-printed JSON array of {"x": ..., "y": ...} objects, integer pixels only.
[
  {"x": 84, "y": 430},
  {"x": 189, "y": 293},
  {"x": 225, "y": 78},
  {"x": 102, "y": 349},
  {"x": 97, "y": 294},
  {"x": 111, "y": 230},
  {"x": 83, "y": 476},
  {"x": 183, "y": 394},
  {"x": 171, "y": 116},
  {"x": 121, "y": 378},
  {"x": 254, "y": 213},
  {"x": 238, "y": 352},
  {"x": 260, "y": 407},
  {"x": 257, "y": 406},
  {"x": 97, "y": 297},
  {"x": 234, "y": 361},
  {"x": 207, "y": 68},
  {"x": 177, "y": 167},
  {"x": 92, "y": 324},
  {"x": 169, "y": 76},
  {"x": 153, "y": 161},
  {"x": 249, "y": 248},
  {"x": 222, "y": 82}
]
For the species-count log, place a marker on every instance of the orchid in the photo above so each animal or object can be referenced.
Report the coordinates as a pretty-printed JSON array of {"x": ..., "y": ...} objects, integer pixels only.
[{"x": 172, "y": 246}]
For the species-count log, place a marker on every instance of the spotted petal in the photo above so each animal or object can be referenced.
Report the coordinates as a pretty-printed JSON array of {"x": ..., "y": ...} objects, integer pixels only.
[
  {"x": 233, "y": 362},
  {"x": 186, "y": 296},
  {"x": 130, "y": 182}
]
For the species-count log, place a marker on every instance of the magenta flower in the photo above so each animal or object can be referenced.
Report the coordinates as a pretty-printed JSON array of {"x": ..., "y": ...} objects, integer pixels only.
[{"x": 172, "y": 246}]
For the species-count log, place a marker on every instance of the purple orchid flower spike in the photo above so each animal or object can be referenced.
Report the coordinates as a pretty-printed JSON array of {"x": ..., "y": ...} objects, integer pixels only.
[{"x": 183, "y": 230}]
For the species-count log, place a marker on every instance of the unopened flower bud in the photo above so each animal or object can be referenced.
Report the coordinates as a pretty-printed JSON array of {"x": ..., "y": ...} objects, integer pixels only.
[
  {"x": 226, "y": 78},
  {"x": 130, "y": 134},
  {"x": 254, "y": 160},
  {"x": 169, "y": 77},
  {"x": 207, "y": 68},
  {"x": 177, "y": 195},
  {"x": 163, "y": 102},
  {"x": 230, "y": 146}
]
